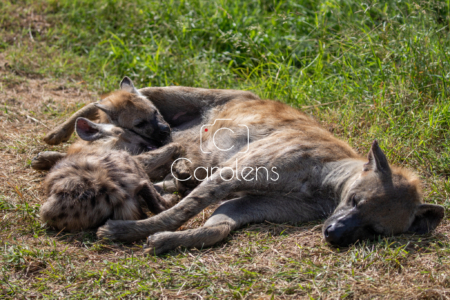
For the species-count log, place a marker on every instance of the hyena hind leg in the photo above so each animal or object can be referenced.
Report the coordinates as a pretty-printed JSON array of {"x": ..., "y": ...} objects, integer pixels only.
[
  {"x": 229, "y": 216},
  {"x": 44, "y": 161},
  {"x": 155, "y": 202}
]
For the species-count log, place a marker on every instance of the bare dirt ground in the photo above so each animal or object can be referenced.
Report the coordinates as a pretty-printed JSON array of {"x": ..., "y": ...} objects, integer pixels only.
[{"x": 29, "y": 107}]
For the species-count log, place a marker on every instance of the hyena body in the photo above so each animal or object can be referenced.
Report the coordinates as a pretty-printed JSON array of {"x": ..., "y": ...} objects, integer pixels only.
[
  {"x": 280, "y": 166},
  {"x": 95, "y": 181}
]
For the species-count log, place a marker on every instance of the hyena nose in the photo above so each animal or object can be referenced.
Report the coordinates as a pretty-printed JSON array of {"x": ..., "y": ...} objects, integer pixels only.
[
  {"x": 333, "y": 234},
  {"x": 327, "y": 231},
  {"x": 164, "y": 129}
]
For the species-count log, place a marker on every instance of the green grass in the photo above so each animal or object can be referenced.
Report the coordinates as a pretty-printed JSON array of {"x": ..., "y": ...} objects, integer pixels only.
[
  {"x": 380, "y": 68},
  {"x": 367, "y": 69}
]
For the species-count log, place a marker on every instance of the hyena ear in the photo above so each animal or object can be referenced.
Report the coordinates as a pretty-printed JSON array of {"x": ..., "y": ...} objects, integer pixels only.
[
  {"x": 138, "y": 188},
  {"x": 427, "y": 218},
  {"x": 127, "y": 85},
  {"x": 377, "y": 160},
  {"x": 106, "y": 109},
  {"x": 87, "y": 130}
]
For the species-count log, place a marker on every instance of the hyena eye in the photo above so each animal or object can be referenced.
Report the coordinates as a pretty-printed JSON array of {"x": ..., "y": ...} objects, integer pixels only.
[
  {"x": 141, "y": 124},
  {"x": 353, "y": 200},
  {"x": 117, "y": 131}
]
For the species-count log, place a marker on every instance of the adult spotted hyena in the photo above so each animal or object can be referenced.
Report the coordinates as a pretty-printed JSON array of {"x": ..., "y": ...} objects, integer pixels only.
[
  {"x": 95, "y": 181},
  {"x": 279, "y": 165}
]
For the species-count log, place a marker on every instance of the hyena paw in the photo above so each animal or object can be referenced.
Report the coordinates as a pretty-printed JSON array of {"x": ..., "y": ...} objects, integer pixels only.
[
  {"x": 118, "y": 230},
  {"x": 159, "y": 243},
  {"x": 171, "y": 199},
  {"x": 56, "y": 137},
  {"x": 46, "y": 160}
]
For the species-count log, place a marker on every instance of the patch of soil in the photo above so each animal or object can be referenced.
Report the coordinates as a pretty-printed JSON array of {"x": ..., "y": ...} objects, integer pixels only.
[{"x": 28, "y": 109}]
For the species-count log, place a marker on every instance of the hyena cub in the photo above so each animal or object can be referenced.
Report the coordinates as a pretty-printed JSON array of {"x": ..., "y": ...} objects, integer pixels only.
[
  {"x": 96, "y": 182},
  {"x": 126, "y": 108}
]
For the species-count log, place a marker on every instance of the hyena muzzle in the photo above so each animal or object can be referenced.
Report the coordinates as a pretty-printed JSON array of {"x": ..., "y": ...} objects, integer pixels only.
[
  {"x": 93, "y": 135},
  {"x": 127, "y": 108}
]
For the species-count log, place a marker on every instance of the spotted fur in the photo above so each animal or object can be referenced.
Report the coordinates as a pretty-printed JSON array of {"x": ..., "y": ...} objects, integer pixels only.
[{"x": 94, "y": 183}]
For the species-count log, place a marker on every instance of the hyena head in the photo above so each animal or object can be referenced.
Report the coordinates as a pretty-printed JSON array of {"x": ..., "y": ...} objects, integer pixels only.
[
  {"x": 112, "y": 137},
  {"x": 127, "y": 108},
  {"x": 382, "y": 201}
]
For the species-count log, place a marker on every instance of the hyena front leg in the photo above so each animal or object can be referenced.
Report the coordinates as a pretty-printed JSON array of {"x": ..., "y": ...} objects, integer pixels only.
[
  {"x": 217, "y": 187},
  {"x": 63, "y": 132},
  {"x": 153, "y": 161},
  {"x": 229, "y": 216},
  {"x": 208, "y": 192},
  {"x": 44, "y": 161}
]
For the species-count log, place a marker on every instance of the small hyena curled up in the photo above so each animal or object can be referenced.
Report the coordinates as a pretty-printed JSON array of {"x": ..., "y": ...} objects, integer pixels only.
[
  {"x": 132, "y": 111},
  {"x": 94, "y": 182}
]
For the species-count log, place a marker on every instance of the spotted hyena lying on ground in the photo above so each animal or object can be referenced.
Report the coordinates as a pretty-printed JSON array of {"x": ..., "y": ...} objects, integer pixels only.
[
  {"x": 277, "y": 164},
  {"x": 95, "y": 181},
  {"x": 137, "y": 114}
]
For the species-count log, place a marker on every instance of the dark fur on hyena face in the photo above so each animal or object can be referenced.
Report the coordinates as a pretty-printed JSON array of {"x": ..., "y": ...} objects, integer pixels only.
[
  {"x": 382, "y": 201},
  {"x": 128, "y": 109},
  {"x": 113, "y": 136}
]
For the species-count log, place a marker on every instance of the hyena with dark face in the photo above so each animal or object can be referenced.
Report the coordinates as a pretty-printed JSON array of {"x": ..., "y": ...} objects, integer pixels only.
[
  {"x": 279, "y": 165},
  {"x": 91, "y": 136},
  {"x": 96, "y": 182},
  {"x": 126, "y": 107}
]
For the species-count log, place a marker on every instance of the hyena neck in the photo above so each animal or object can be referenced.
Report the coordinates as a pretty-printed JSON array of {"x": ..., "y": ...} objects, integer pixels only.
[{"x": 338, "y": 176}]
